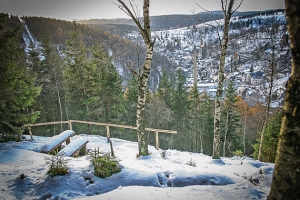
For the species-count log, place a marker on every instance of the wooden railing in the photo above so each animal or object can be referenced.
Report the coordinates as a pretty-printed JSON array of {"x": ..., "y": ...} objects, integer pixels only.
[{"x": 69, "y": 122}]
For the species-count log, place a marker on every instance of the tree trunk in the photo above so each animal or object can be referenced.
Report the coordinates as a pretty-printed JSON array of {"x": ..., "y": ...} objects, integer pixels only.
[
  {"x": 285, "y": 183},
  {"x": 244, "y": 134},
  {"x": 265, "y": 122},
  {"x": 143, "y": 78},
  {"x": 59, "y": 103},
  {"x": 227, "y": 16},
  {"x": 140, "y": 121},
  {"x": 226, "y": 132}
]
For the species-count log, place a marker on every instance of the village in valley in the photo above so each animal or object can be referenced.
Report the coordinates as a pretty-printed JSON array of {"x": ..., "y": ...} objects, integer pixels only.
[{"x": 255, "y": 41}]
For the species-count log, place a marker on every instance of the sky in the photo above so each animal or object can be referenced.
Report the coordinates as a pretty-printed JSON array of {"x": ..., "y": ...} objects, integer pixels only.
[
  {"x": 99, "y": 9},
  {"x": 179, "y": 175}
]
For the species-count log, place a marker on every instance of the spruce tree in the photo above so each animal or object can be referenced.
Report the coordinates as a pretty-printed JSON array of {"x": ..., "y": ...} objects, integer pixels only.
[
  {"x": 107, "y": 86},
  {"x": 18, "y": 91},
  {"x": 230, "y": 119},
  {"x": 206, "y": 126},
  {"x": 195, "y": 120},
  {"x": 130, "y": 102},
  {"x": 51, "y": 101},
  {"x": 180, "y": 106},
  {"x": 76, "y": 76},
  {"x": 165, "y": 88}
]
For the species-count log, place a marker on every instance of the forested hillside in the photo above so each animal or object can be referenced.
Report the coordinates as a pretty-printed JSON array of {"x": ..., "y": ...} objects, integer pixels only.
[
  {"x": 121, "y": 49},
  {"x": 166, "y": 22}
]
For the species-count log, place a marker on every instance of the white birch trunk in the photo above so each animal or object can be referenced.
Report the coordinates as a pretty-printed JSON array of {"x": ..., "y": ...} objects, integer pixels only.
[
  {"x": 265, "y": 122},
  {"x": 143, "y": 78},
  {"x": 217, "y": 117}
]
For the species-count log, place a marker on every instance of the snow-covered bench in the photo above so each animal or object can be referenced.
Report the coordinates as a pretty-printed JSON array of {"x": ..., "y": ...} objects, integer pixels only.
[
  {"x": 57, "y": 140},
  {"x": 75, "y": 147}
]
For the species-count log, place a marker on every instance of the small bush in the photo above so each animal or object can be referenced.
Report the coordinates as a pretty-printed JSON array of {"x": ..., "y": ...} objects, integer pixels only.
[
  {"x": 191, "y": 163},
  {"x": 164, "y": 155},
  {"x": 238, "y": 153},
  {"x": 103, "y": 165},
  {"x": 57, "y": 165}
]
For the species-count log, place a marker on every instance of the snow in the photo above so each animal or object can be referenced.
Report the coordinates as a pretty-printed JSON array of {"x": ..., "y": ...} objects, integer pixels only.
[
  {"x": 71, "y": 148},
  {"x": 147, "y": 177},
  {"x": 56, "y": 140}
]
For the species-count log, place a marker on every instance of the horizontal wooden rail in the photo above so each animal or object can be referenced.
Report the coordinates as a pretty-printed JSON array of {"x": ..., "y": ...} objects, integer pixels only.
[
  {"x": 124, "y": 126},
  {"x": 47, "y": 123},
  {"x": 100, "y": 124}
]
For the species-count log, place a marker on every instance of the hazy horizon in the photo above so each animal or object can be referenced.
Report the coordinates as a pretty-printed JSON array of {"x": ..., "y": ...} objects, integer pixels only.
[{"x": 107, "y": 9}]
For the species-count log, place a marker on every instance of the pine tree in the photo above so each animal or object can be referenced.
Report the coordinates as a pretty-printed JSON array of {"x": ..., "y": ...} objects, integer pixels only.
[
  {"x": 75, "y": 79},
  {"x": 130, "y": 101},
  {"x": 107, "y": 85},
  {"x": 180, "y": 106},
  {"x": 195, "y": 120},
  {"x": 165, "y": 88},
  {"x": 18, "y": 91},
  {"x": 206, "y": 124},
  {"x": 230, "y": 119},
  {"x": 50, "y": 101}
]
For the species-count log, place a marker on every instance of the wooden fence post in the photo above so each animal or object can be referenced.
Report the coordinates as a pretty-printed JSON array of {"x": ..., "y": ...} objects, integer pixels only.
[
  {"x": 157, "y": 142},
  {"x": 70, "y": 125},
  {"x": 29, "y": 129},
  {"x": 107, "y": 134}
]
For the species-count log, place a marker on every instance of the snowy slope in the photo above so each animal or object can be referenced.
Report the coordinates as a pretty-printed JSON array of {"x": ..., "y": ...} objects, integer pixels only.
[{"x": 149, "y": 177}]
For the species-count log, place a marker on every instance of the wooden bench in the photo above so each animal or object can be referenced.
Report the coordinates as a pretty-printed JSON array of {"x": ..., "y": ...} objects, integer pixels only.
[
  {"x": 57, "y": 140},
  {"x": 75, "y": 148}
]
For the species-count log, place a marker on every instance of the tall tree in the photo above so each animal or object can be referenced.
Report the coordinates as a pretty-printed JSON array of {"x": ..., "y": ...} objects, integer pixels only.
[
  {"x": 165, "y": 88},
  {"x": 286, "y": 176},
  {"x": 75, "y": 75},
  {"x": 270, "y": 139},
  {"x": 247, "y": 114},
  {"x": 49, "y": 72},
  {"x": 143, "y": 76},
  {"x": 206, "y": 124},
  {"x": 195, "y": 119},
  {"x": 105, "y": 86},
  {"x": 18, "y": 90},
  {"x": 230, "y": 118},
  {"x": 275, "y": 64},
  {"x": 228, "y": 11},
  {"x": 180, "y": 102},
  {"x": 180, "y": 107},
  {"x": 130, "y": 102}
]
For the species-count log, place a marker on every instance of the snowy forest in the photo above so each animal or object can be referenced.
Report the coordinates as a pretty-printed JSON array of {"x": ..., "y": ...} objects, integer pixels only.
[
  {"x": 79, "y": 72},
  {"x": 220, "y": 84}
]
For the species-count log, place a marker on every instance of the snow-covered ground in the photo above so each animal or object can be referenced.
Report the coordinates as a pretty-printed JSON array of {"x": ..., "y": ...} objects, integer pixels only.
[{"x": 148, "y": 177}]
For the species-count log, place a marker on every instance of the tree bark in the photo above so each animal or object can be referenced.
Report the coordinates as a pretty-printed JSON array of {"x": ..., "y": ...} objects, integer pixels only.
[
  {"x": 244, "y": 133},
  {"x": 143, "y": 78},
  {"x": 269, "y": 96},
  {"x": 285, "y": 183},
  {"x": 226, "y": 132},
  {"x": 227, "y": 16}
]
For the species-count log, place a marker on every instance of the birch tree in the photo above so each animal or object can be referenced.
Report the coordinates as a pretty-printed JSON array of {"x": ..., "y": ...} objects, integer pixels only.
[
  {"x": 286, "y": 176},
  {"x": 228, "y": 11},
  {"x": 141, "y": 75}
]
